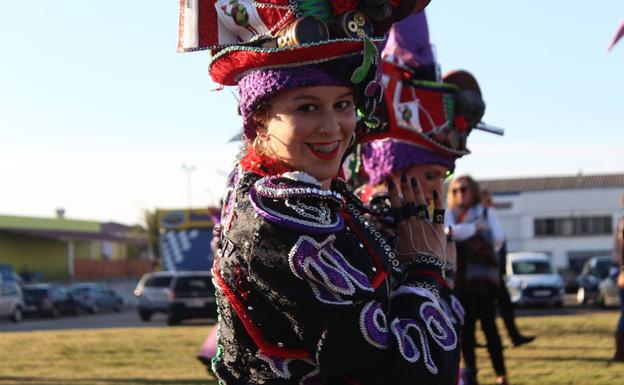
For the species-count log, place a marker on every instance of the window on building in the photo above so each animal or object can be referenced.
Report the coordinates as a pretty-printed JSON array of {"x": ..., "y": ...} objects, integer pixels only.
[
  {"x": 503, "y": 205},
  {"x": 572, "y": 226}
]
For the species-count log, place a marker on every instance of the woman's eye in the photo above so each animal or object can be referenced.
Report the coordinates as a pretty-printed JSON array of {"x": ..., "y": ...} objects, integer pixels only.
[
  {"x": 307, "y": 108},
  {"x": 430, "y": 176},
  {"x": 342, "y": 105}
]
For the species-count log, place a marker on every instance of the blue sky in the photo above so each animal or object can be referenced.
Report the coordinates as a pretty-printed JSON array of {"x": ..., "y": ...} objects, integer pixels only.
[{"x": 98, "y": 112}]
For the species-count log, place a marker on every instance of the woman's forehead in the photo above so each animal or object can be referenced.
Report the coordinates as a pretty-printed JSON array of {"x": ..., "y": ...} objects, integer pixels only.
[{"x": 315, "y": 93}]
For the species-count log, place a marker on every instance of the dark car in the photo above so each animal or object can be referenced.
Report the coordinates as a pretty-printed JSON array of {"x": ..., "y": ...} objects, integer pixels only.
[
  {"x": 570, "y": 280},
  {"x": 595, "y": 270},
  {"x": 49, "y": 300},
  {"x": 192, "y": 296},
  {"x": 95, "y": 296}
]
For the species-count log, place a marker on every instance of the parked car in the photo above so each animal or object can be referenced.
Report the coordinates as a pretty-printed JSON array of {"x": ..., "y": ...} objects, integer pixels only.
[
  {"x": 595, "y": 285},
  {"x": 532, "y": 279},
  {"x": 152, "y": 293},
  {"x": 188, "y": 295},
  {"x": 570, "y": 280},
  {"x": 49, "y": 300},
  {"x": 95, "y": 296},
  {"x": 11, "y": 301}
]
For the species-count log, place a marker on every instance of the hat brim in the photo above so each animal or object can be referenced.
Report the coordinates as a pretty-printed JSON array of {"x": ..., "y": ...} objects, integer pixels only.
[{"x": 230, "y": 64}]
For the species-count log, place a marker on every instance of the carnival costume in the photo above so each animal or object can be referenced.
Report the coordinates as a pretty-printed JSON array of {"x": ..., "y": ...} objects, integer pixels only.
[{"x": 309, "y": 292}]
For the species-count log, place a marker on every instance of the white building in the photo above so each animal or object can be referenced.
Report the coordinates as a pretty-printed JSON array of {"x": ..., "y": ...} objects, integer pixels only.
[{"x": 570, "y": 218}]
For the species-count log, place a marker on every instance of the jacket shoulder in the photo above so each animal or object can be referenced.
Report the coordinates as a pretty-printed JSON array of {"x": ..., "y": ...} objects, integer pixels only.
[{"x": 295, "y": 200}]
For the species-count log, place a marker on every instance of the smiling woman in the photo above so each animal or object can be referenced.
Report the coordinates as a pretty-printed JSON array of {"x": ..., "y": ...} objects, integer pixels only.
[{"x": 309, "y": 291}]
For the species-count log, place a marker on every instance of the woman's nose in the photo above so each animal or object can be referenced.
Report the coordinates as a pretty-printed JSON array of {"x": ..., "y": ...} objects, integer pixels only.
[{"x": 329, "y": 123}]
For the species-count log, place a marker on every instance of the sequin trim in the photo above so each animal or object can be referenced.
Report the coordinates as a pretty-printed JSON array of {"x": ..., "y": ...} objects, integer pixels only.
[
  {"x": 374, "y": 332},
  {"x": 407, "y": 346},
  {"x": 330, "y": 276}
]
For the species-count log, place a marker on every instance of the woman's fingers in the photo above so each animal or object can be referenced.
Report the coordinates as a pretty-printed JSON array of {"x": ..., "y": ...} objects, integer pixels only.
[
  {"x": 393, "y": 194},
  {"x": 408, "y": 196},
  {"x": 417, "y": 192},
  {"x": 396, "y": 208}
]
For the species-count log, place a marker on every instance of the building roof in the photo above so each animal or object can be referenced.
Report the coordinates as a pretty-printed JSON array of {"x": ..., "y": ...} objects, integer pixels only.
[
  {"x": 61, "y": 228},
  {"x": 552, "y": 183}
]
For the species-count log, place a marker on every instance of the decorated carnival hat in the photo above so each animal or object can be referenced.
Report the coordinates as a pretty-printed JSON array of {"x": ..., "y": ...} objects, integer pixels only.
[
  {"x": 428, "y": 119},
  {"x": 247, "y": 35}
]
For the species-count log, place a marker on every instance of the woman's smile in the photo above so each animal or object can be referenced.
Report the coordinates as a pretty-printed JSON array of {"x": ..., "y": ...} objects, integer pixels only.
[{"x": 325, "y": 150}]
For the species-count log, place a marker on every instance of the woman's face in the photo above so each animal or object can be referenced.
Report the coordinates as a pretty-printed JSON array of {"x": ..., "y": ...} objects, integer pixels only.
[
  {"x": 461, "y": 193},
  {"x": 310, "y": 129},
  {"x": 430, "y": 177}
]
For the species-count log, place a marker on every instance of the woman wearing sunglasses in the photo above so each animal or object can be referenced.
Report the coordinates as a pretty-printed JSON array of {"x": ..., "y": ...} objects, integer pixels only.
[
  {"x": 308, "y": 291},
  {"x": 479, "y": 237}
]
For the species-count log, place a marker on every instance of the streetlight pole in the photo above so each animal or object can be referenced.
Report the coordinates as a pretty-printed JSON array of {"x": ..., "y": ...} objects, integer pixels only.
[{"x": 188, "y": 168}]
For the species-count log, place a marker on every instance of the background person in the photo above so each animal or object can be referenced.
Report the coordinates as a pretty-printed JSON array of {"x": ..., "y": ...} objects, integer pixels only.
[
  {"x": 479, "y": 237},
  {"x": 504, "y": 301}
]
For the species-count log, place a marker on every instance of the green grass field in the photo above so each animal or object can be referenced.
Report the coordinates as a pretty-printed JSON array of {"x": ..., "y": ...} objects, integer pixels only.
[{"x": 573, "y": 349}]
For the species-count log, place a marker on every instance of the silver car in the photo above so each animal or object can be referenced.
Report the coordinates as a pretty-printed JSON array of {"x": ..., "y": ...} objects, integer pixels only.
[
  {"x": 532, "y": 279},
  {"x": 153, "y": 294},
  {"x": 11, "y": 301},
  {"x": 181, "y": 295}
]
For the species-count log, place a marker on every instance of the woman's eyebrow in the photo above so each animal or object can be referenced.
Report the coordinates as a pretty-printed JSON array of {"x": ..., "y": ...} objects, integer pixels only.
[
  {"x": 313, "y": 97},
  {"x": 299, "y": 97}
]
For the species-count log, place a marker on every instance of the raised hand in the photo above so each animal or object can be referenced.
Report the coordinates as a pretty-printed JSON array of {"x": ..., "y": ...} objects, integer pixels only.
[{"x": 418, "y": 234}]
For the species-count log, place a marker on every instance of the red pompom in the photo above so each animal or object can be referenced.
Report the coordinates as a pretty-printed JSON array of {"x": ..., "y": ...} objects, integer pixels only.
[{"x": 461, "y": 123}]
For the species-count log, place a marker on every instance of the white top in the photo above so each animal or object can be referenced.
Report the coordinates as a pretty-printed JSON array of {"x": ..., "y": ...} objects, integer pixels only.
[{"x": 468, "y": 227}]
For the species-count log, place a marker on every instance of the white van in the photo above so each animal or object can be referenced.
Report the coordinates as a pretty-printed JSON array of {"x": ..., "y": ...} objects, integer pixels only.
[{"x": 532, "y": 279}]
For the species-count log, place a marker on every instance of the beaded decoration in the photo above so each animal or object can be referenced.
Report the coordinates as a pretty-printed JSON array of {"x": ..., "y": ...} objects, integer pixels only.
[
  {"x": 374, "y": 325},
  {"x": 401, "y": 328},
  {"x": 439, "y": 325},
  {"x": 330, "y": 276},
  {"x": 302, "y": 206}
]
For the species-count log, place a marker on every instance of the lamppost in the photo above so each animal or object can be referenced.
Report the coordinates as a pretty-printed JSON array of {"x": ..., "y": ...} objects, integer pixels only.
[{"x": 188, "y": 168}]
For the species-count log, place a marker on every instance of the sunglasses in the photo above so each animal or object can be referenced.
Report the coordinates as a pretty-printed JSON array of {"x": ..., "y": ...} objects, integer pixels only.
[{"x": 460, "y": 189}]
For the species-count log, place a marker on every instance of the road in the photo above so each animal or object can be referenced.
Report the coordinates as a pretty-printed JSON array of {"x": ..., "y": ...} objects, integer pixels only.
[{"x": 128, "y": 318}]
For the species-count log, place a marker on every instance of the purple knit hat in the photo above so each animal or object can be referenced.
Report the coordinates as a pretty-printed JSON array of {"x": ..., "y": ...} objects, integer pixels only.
[
  {"x": 258, "y": 86},
  {"x": 382, "y": 158}
]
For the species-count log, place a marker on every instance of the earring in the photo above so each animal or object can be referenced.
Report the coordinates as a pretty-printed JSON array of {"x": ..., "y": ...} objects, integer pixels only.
[{"x": 259, "y": 146}]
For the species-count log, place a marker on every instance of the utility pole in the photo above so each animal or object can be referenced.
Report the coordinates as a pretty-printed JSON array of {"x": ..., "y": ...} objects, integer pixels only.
[{"x": 188, "y": 168}]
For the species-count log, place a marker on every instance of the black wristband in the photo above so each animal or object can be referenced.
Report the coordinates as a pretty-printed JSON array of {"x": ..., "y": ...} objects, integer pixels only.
[
  {"x": 397, "y": 214},
  {"x": 438, "y": 216}
]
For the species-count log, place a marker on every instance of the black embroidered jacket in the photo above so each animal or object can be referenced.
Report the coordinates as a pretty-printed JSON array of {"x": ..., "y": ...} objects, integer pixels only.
[{"x": 310, "y": 293}]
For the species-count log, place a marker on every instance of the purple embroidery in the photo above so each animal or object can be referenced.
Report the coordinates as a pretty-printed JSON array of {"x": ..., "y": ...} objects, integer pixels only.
[
  {"x": 439, "y": 326},
  {"x": 315, "y": 377},
  {"x": 278, "y": 366},
  {"x": 447, "y": 310},
  {"x": 407, "y": 346},
  {"x": 458, "y": 309},
  {"x": 374, "y": 325},
  {"x": 299, "y": 224},
  {"x": 327, "y": 272}
]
